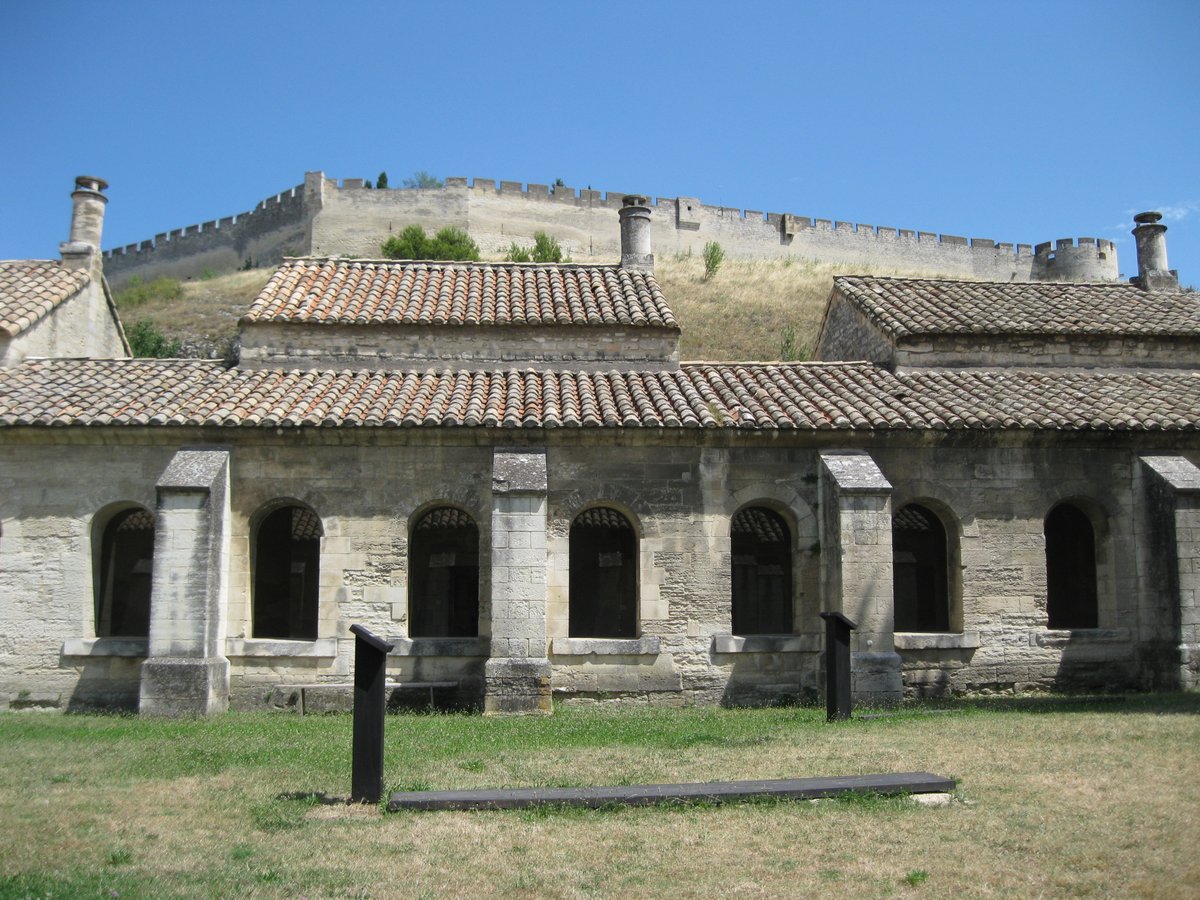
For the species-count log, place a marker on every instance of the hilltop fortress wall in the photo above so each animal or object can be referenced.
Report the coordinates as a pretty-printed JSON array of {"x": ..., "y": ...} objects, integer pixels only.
[{"x": 324, "y": 218}]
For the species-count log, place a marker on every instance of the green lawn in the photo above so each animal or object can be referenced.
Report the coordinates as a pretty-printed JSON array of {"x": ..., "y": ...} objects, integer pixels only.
[{"x": 1057, "y": 797}]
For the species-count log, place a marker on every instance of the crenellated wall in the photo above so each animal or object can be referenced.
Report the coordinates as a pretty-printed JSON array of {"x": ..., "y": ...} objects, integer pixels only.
[
  {"x": 277, "y": 227},
  {"x": 323, "y": 217}
]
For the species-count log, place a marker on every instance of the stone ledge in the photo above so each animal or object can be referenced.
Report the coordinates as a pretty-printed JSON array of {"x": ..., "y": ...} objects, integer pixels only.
[
  {"x": 766, "y": 643},
  {"x": 106, "y": 646},
  {"x": 453, "y": 646},
  {"x": 1062, "y": 637},
  {"x": 243, "y": 647},
  {"x": 922, "y": 640},
  {"x": 643, "y": 646}
]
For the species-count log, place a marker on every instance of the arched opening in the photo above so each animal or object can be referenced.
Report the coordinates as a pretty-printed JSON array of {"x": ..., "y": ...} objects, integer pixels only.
[
  {"x": 920, "y": 570},
  {"x": 122, "y": 593},
  {"x": 762, "y": 572},
  {"x": 443, "y": 593},
  {"x": 286, "y": 559},
  {"x": 1071, "y": 596},
  {"x": 603, "y": 580}
]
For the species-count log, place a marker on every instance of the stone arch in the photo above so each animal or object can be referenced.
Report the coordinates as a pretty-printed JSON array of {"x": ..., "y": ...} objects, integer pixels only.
[
  {"x": 627, "y": 502},
  {"x": 443, "y": 572},
  {"x": 806, "y": 548},
  {"x": 783, "y": 499},
  {"x": 926, "y": 567},
  {"x": 762, "y": 551},
  {"x": 1072, "y": 563},
  {"x": 285, "y": 570},
  {"x": 603, "y": 574},
  {"x": 123, "y": 563}
]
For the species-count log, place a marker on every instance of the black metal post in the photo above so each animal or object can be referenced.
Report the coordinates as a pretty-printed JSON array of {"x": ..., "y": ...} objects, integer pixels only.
[
  {"x": 837, "y": 665},
  {"x": 370, "y": 666}
]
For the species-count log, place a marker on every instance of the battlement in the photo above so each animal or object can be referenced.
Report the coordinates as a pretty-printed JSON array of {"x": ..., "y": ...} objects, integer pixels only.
[
  {"x": 1073, "y": 259},
  {"x": 331, "y": 217}
]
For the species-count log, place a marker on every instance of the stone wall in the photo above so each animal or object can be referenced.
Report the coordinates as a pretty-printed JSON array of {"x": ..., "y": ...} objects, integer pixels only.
[
  {"x": 277, "y": 227},
  {"x": 959, "y": 351},
  {"x": 82, "y": 326},
  {"x": 995, "y": 501},
  {"x": 324, "y": 218},
  {"x": 679, "y": 493}
]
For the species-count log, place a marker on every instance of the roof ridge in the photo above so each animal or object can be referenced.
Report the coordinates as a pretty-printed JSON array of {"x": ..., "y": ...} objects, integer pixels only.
[{"x": 449, "y": 262}]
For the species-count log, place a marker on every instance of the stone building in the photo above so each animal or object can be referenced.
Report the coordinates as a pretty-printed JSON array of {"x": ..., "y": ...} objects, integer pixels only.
[
  {"x": 506, "y": 469},
  {"x": 62, "y": 307}
]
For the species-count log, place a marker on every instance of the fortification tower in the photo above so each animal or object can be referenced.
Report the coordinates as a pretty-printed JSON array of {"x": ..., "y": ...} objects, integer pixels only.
[{"x": 1088, "y": 259}]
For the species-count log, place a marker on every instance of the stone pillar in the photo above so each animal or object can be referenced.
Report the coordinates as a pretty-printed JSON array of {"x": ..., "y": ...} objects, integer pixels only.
[
  {"x": 517, "y": 676},
  {"x": 186, "y": 672},
  {"x": 856, "y": 554},
  {"x": 1172, "y": 500}
]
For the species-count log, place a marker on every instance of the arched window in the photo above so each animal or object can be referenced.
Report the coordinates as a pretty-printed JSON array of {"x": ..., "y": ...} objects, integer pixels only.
[
  {"x": 762, "y": 572},
  {"x": 443, "y": 592},
  {"x": 603, "y": 583},
  {"x": 920, "y": 570},
  {"x": 287, "y": 571},
  {"x": 126, "y": 565},
  {"x": 1071, "y": 599}
]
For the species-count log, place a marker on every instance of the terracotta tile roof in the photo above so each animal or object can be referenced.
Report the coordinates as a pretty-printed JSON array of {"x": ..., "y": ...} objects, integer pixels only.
[
  {"x": 360, "y": 292},
  {"x": 910, "y": 306},
  {"x": 1149, "y": 400},
  {"x": 182, "y": 392},
  {"x": 31, "y": 288},
  {"x": 766, "y": 397}
]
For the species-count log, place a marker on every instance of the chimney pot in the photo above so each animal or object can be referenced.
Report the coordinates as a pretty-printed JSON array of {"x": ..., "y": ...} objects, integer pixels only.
[
  {"x": 636, "y": 252},
  {"x": 1151, "y": 238},
  {"x": 87, "y": 222}
]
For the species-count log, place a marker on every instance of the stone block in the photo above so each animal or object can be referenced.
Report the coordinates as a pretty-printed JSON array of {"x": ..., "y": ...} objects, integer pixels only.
[
  {"x": 517, "y": 686},
  {"x": 184, "y": 686}
]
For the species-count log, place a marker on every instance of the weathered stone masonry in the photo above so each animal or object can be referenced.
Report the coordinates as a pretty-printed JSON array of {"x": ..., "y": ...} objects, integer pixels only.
[
  {"x": 324, "y": 218},
  {"x": 1062, "y": 500}
]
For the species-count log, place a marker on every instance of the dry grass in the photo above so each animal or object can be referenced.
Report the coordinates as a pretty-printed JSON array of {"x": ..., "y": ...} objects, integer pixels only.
[
  {"x": 1056, "y": 800},
  {"x": 208, "y": 311}
]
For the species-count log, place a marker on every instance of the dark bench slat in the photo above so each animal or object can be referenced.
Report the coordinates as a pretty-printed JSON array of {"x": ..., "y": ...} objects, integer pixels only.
[{"x": 647, "y": 794}]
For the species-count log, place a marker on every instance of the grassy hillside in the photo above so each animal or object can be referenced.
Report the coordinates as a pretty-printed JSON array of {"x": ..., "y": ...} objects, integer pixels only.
[{"x": 748, "y": 310}]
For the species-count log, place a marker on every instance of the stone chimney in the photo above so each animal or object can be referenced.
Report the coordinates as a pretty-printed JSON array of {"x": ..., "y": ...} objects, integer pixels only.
[
  {"x": 82, "y": 251},
  {"x": 635, "y": 234},
  {"x": 1151, "y": 237}
]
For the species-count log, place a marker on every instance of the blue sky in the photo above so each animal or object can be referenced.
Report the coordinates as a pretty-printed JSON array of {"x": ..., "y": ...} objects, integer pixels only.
[{"x": 1016, "y": 121}]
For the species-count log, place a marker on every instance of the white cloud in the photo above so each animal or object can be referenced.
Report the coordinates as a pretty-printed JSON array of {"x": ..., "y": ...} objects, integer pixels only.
[{"x": 1177, "y": 212}]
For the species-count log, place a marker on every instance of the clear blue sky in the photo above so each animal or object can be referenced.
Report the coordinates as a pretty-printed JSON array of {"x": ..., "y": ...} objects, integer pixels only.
[{"x": 1016, "y": 121}]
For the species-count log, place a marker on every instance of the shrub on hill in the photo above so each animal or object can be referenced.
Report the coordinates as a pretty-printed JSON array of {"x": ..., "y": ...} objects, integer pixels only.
[
  {"x": 414, "y": 243},
  {"x": 145, "y": 340},
  {"x": 544, "y": 249}
]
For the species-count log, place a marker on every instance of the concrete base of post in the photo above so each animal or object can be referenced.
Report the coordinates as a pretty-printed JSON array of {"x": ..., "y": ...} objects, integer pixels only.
[
  {"x": 515, "y": 686},
  {"x": 876, "y": 679},
  {"x": 177, "y": 686}
]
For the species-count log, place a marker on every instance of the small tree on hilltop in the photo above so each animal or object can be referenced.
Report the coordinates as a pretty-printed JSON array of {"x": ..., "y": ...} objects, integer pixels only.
[
  {"x": 713, "y": 257},
  {"x": 381, "y": 181},
  {"x": 448, "y": 244},
  {"x": 421, "y": 179}
]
